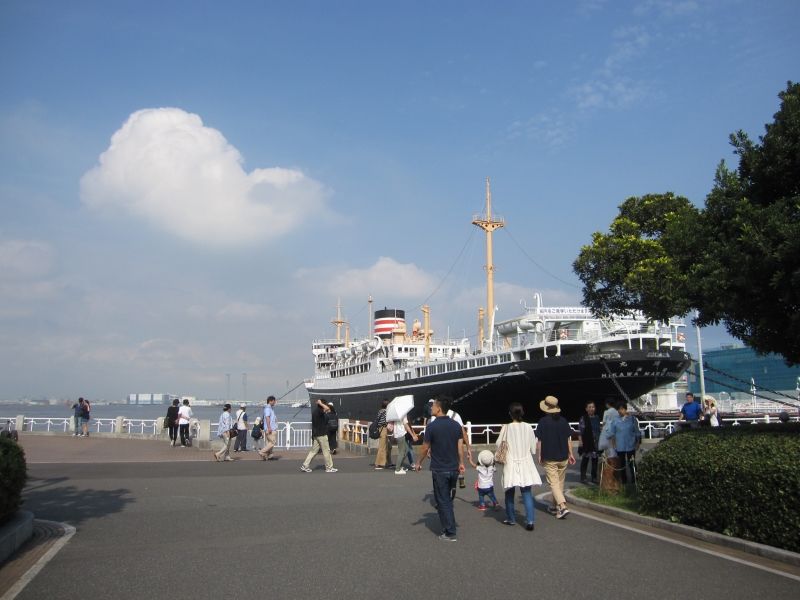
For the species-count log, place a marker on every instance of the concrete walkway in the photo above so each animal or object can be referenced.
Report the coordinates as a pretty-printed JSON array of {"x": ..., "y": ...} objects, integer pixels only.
[{"x": 180, "y": 528}]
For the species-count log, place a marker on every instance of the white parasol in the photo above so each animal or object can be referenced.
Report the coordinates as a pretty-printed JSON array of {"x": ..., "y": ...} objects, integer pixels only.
[{"x": 399, "y": 407}]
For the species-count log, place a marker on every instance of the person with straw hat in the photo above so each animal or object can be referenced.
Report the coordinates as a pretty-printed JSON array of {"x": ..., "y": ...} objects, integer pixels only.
[{"x": 554, "y": 448}]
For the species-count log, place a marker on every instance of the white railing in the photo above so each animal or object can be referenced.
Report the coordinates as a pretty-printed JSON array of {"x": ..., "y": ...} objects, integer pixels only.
[
  {"x": 290, "y": 435},
  {"x": 298, "y": 434},
  {"x": 358, "y": 431}
]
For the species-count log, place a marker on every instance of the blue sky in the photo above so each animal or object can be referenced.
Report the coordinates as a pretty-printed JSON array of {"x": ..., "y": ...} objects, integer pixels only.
[{"x": 188, "y": 187}]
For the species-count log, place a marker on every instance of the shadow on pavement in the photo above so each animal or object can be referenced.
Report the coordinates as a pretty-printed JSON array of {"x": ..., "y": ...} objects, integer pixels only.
[{"x": 51, "y": 499}]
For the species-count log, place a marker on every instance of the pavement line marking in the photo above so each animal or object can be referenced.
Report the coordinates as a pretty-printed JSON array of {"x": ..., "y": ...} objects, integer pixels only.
[
  {"x": 680, "y": 543},
  {"x": 15, "y": 589}
]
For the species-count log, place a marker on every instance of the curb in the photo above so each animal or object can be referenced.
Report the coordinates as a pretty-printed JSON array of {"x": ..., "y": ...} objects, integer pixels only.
[
  {"x": 770, "y": 552},
  {"x": 15, "y": 533}
]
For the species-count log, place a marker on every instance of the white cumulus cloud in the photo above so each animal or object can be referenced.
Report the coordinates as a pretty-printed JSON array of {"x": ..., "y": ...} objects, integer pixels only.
[
  {"x": 164, "y": 166},
  {"x": 384, "y": 280}
]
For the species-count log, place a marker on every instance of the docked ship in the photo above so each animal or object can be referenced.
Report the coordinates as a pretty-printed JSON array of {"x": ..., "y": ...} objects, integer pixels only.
[{"x": 566, "y": 352}]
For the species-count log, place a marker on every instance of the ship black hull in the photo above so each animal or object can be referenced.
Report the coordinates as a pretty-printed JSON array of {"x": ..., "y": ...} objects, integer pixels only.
[{"x": 483, "y": 394}]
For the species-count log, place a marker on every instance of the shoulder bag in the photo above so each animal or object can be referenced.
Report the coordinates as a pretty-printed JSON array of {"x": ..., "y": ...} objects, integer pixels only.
[{"x": 502, "y": 449}]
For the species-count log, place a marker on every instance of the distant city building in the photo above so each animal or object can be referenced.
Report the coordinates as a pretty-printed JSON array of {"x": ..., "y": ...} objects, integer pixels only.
[{"x": 150, "y": 398}]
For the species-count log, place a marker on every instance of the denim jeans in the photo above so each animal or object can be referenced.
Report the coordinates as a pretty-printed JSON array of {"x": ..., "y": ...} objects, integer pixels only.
[
  {"x": 442, "y": 482},
  {"x": 482, "y": 493},
  {"x": 527, "y": 499}
]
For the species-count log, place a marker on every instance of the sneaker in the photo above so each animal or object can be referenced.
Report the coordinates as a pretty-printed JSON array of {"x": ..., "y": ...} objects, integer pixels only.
[
  {"x": 329, "y": 470},
  {"x": 305, "y": 469},
  {"x": 562, "y": 513},
  {"x": 529, "y": 526},
  {"x": 447, "y": 538},
  {"x": 377, "y": 468},
  {"x": 482, "y": 507},
  {"x": 553, "y": 510},
  {"x": 507, "y": 522},
  {"x": 400, "y": 472},
  {"x": 496, "y": 506}
]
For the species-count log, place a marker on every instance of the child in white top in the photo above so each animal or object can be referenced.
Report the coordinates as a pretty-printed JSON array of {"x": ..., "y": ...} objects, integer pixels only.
[{"x": 485, "y": 483}]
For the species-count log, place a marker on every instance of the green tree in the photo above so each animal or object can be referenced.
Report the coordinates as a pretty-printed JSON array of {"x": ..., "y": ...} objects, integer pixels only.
[
  {"x": 737, "y": 261},
  {"x": 633, "y": 267}
]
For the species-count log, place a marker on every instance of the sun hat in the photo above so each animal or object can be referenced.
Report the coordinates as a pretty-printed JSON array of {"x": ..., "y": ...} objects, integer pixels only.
[
  {"x": 486, "y": 458},
  {"x": 550, "y": 405},
  {"x": 710, "y": 400},
  {"x": 243, "y": 405}
]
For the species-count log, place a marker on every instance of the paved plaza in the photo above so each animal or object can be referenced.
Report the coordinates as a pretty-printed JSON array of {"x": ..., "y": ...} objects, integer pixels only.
[{"x": 152, "y": 521}]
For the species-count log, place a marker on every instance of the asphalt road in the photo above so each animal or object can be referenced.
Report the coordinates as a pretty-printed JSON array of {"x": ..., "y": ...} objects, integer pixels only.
[{"x": 254, "y": 529}]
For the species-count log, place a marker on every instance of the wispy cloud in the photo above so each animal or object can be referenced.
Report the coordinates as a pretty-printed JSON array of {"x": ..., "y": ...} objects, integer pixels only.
[
  {"x": 666, "y": 8},
  {"x": 166, "y": 167},
  {"x": 550, "y": 127},
  {"x": 611, "y": 86}
]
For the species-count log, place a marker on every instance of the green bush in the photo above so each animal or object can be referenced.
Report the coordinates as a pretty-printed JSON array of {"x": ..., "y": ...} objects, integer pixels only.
[
  {"x": 740, "y": 481},
  {"x": 13, "y": 474}
]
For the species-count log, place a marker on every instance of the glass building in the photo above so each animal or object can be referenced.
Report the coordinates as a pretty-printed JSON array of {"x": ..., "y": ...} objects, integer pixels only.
[{"x": 736, "y": 371}]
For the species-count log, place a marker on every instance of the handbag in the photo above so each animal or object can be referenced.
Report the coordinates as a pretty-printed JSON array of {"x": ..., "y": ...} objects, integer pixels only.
[
  {"x": 166, "y": 423},
  {"x": 502, "y": 451}
]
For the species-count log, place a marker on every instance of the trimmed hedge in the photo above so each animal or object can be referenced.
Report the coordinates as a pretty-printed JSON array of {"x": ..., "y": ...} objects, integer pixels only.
[
  {"x": 13, "y": 475},
  {"x": 740, "y": 481}
]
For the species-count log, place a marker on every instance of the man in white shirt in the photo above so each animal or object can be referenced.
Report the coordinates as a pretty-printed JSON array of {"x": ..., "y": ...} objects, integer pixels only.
[
  {"x": 241, "y": 426},
  {"x": 401, "y": 428},
  {"x": 184, "y": 415},
  {"x": 270, "y": 425}
]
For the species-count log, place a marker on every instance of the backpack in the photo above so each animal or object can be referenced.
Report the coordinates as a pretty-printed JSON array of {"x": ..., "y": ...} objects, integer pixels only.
[
  {"x": 333, "y": 422},
  {"x": 374, "y": 431},
  {"x": 256, "y": 433}
]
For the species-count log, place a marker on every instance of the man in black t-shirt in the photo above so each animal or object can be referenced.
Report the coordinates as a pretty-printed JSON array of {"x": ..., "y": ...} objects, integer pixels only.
[
  {"x": 444, "y": 440},
  {"x": 319, "y": 431},
  {"x": 554, "y": 448}
]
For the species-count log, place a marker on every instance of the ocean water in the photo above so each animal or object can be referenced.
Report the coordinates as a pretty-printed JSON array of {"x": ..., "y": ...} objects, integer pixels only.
[{"x": 134, "y": 411}]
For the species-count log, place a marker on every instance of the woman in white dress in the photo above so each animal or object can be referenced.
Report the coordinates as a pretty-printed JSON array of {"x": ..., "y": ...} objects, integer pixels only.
[{"x": 519, "y": 469}]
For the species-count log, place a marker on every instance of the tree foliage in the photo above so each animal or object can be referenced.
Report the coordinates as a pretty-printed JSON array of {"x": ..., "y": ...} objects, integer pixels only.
[{"x": 737, "y": 261}]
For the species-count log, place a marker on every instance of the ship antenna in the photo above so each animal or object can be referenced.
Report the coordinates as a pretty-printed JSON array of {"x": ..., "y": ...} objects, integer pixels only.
[{"x": 489, "y": 224}]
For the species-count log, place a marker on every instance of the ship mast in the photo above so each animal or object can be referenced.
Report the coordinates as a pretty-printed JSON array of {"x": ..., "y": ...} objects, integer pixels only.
[
  {"x": 488, "y": 224},
  {"x": 338, "y": 321}
]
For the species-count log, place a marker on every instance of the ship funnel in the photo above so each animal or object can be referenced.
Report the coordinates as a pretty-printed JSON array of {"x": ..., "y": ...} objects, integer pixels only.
[{"x": 389, "y": 321}]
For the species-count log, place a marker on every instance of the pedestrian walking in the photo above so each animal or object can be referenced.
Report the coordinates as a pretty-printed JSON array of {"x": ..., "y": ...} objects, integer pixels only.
[
  {"x": 554, "y": 447},
  {"x": 224, "y": 427},
  {"x": 485, "y": 483},
  {"x": 270, "y": 425},
  {"x": 519, "y": 469},
  {"x": 319, "y": 433},
  {"x": 332, "y": 421},
  {"x": 86, "y": 415},
  {"x": 625, "y": 438},
  {"x": 589, "y": 424},
  {"x": 172, "y": 422},
  {"x": 444, "y": 441},
  {"x": 240, "y": 445},
  {"x": 184, "y": 416},
  {"x": 384, "y": 456},
  {"x": 401, "y": 430},
  {"x": 609, "y": 483},
  {"x": 77, "y": 411}
]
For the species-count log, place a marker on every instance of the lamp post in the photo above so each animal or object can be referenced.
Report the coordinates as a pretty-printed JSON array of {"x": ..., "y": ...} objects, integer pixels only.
[{"x": 700, "y": 359}]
